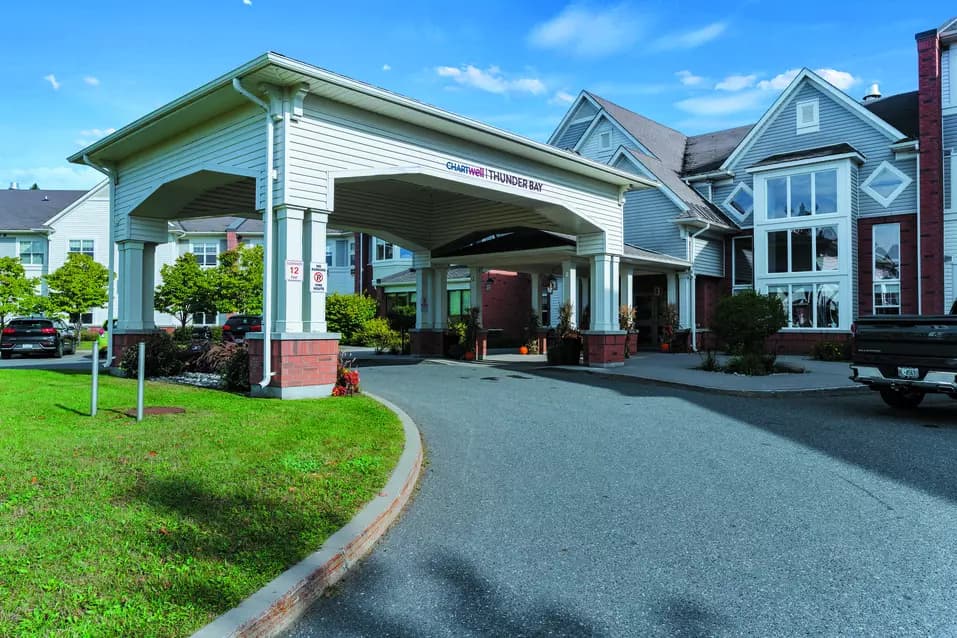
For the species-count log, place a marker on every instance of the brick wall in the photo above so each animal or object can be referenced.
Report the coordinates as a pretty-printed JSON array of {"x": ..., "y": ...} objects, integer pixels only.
[
  {"x": 931, "y": 172},
  {"x": 506, "y": 306},
  {"x": 708, "y": 292},
  {"x": 908, "y": 248}
]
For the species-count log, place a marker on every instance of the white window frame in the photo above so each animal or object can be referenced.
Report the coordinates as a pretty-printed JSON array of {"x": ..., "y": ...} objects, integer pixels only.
[
  {"x": 885, "y": 282},
  {"x": 842, "y": 219},
  {"x": 842, "y": 301},
  {"x": 790, "y": 258},
  {"x": 206, "y": 315},
  {"x": 393, "y": 249},
  {"x": 734, "y": 193},
  {"x": 905, "y": 182},
  {"x": 33, "y": 251},
  {"x": 709, "y": 194},
  {"x": 811, "y": 126},
  {"x": 91, "y": 252},
  {"x": 736, "y": 287},
  {"x": 201, "y": 256}
]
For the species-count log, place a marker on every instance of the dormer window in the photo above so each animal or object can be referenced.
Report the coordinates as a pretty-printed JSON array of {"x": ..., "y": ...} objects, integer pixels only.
[
  {"x": 808, "y": 117},
  {"x": 604, "y": 140}
]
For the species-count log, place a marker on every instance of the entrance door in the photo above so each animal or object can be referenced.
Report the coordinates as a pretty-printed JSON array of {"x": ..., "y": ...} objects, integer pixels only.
[{"x": 651, "y": 301}]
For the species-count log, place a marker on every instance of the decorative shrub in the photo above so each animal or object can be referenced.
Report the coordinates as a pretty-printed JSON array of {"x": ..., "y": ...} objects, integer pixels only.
[
  {"x": 347, "y": 377},
  {"x": 377, "y": 333},
  {"x": 745, "y": 321},
  {"x": 183, "y": 334},
  {"x": 235, "y": 367},
  {"x": 90, "y": 334},
  {"x": 751, "y": 364},
  {"x": 215, "y": 357},
  {"x": 709, "y": 362},
  {"x": 831, "y": 351},
  {"x": 347, "y": 314},
  {"x": 163, "y": 357},
  {"x": 216, "y": 334}
]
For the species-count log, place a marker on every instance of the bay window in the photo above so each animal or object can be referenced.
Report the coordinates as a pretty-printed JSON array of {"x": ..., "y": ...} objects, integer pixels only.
[
  {"x": 807, "y": 249},
  {"x": 887, "y": 269},
  {"x": 802, "y": 194},
  {"x": 810, "y": 305}
]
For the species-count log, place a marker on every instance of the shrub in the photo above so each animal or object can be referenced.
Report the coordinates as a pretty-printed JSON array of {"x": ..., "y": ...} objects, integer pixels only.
[
  {"x": 90, "y": 334},
  {"x": 744, "y": 321},
  {"x": 347, "y": 314},
  {"x": 377, "y": 333},
  {"x": 831, "y": 351},
  {"x": 214, "y": 358},
  {"x": 709, "y": 362},
  {"x": 163, "y": 357},
  {"x": 347, "y": 377},
  {"x": 752, "y": 364},
  {"x": 235, "y": 367},
  {"x": 182, "y": 334},
  {"x": 216, "y": 334}
]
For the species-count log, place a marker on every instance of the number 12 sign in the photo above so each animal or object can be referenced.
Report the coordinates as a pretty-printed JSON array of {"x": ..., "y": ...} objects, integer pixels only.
[{"x": 294, "y": 270}]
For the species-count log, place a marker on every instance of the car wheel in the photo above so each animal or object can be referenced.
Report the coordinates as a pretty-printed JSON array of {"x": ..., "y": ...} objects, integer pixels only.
[
  {"x": 903, "y": 399},
  {"x": 58, "y": 353},
  {"x": 72, "y": 347}
]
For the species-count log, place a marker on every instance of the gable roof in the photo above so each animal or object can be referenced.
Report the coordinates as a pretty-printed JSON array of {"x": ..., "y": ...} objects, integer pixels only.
[
  {"x": 707, "y": 151},
  {"x": 28, "y": 209},
  {"x": 667, "y": 144},
  {"x": 900, "y": 111},
  {"x": 806, "y": 75}
]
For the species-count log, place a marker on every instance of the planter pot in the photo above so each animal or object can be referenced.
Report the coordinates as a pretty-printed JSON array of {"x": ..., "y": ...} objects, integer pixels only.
[
  {"x": 571, "y": 351},
  {"x": 554, "y": 355},
  {"x": 470, "y": 356},
  {"x": 666, "y": 347}
]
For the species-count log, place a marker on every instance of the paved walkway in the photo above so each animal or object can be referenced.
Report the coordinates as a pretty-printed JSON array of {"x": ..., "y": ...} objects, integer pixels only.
[{"x": 571, "y": 505}]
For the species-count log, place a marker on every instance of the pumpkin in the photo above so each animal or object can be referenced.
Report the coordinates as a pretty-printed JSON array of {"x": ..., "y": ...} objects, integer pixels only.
[
  {"x": 523, "y": 350},
  {"x": 469, "y": 356},
  {"x": 666, "y": 347}
]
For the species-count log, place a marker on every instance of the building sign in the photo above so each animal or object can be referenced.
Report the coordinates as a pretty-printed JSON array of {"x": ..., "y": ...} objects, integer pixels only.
[
  {"x": 496, "y": 176},
  {"x": 294, "y": 270},
  {"x": 317, "y": 275}
]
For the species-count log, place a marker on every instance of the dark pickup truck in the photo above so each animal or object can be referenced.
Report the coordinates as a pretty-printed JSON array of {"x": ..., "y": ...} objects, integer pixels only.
[{"x": 906, "y": 356}]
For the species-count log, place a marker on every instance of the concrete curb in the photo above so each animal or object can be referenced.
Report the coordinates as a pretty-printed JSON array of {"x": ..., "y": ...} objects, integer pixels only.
[
  {"x": 280, "y": 602},
  {"x": 767, "y": 394}
]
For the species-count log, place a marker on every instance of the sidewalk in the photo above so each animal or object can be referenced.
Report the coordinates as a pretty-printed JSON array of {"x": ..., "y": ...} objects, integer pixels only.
[{"x": 680, "y": 369}]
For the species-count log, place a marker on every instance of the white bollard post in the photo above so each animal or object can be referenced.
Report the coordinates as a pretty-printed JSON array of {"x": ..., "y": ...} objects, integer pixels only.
[
  {"x": 96, "y": 377},
  {"x": 140, "y": 378}
]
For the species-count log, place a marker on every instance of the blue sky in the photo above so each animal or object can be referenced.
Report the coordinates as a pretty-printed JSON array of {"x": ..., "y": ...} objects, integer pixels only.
[{"x": 76, "y": 70}]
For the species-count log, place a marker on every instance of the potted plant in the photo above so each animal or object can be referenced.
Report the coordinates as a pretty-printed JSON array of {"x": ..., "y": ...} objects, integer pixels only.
[
  {"x": 669, "y": 328},
  {"x": 626, "y": 322},
  {"x": 471, "y": 333},
  {"x": 567, "y": 346},
  {"x": 531, "y": 334}
]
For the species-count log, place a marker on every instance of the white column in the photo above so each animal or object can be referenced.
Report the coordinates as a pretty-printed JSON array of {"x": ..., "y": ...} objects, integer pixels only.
[
  {"x": 131, "y": 286},
  {"x": 537, "y": 295},
  {"x": 672, "y": 292},
  {"x": 604, "y": 292},
  {"x": 685, "y": 299},
  {"x": 570, "y": 289},
  {"x": 476, "y": 287},
  {"x": 440, "y": 298},
  {"x": 626, "y": 286},
  {"x": 314, "y": 303},
  {"x": 423, "y": 296},
  {"x": 149, "y": 286},
  {"x": 288, "y": 234}
]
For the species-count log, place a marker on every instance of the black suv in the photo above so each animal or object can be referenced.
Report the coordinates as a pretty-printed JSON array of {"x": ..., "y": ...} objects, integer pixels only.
[
  {"x": 37, "y": 335},
  {"x": 237, "y": 326}
]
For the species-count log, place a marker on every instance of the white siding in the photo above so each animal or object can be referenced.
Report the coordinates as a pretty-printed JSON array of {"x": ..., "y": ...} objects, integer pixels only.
[
  {"x": 8, "y": 247},
  {"x": 948, "y": 86}
]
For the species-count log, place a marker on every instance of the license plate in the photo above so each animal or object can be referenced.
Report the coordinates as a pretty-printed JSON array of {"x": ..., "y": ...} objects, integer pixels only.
[
  {"x": 27, "y": 346},
  {"x": 908, "y": 373}
]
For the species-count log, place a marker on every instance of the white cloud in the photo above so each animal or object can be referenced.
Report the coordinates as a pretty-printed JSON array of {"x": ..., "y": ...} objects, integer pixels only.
[
  {"x": 69, "y": 176},
  {"x": 736, "y": 82},
  {"x": 689, "y": 79},
  {"x": 723, "y": 104},
  {"x": 248, "y": 3},
  {"x": 92, "y": 80},
  {"x": 841, "y": 79},
  {"x": 53, "y": 81},
  {"x": 691, "y": 39},
  {"x": 589, "y": 32},
  {"x": 88, "y": 136},
  {"x": 562, "y": 97},
  {"x": 491, "y": 80},
  {"x": 386, "y": 67}
]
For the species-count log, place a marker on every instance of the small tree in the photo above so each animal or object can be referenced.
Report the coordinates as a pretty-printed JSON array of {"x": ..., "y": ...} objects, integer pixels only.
[
  {"x": 347, "y": 314},
  {"x": 745, "y": 321},
  {"x": 185, "y": 289},
  {"x": 237, "y": 281},
  {"x": 78, "y": 286},
  {"x": 17, "y": 291}
]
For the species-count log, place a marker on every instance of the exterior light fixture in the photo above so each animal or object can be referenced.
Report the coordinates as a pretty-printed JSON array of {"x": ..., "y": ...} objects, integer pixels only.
[
  {"x": 488, "y": 283},
  {"x": 551, "y": 285}
]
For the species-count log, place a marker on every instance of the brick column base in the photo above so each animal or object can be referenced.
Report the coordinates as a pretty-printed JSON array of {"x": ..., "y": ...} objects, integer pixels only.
[
  {"x": 427, "y": 343},
  {"x": 303, "y": 365},
  {"x": 541, "y": 337},
  {"x": 122, "y": 341},
  {"x": 604, "y": 349},
  {"x": 481, "y": 344}
]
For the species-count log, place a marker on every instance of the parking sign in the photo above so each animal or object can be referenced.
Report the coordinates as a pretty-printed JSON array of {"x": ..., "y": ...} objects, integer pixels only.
[{"x": 317, "y": 275}]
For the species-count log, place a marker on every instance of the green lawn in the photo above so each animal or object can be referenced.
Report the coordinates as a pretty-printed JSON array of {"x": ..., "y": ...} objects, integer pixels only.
[{"x": 118, "y": 528}]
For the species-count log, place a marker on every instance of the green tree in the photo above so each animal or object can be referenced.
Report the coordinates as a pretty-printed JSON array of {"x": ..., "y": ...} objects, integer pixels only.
[
  {"x": 347, "y": 314},
  {"x": 237, "y": 281},
  {"x": 745, "y": 320},
  {"x": 17, "y": 291},
  {"x": 35, "y": 187},
  {"x": 186, "y": 289},
  {"x": 78, "y": 286}
]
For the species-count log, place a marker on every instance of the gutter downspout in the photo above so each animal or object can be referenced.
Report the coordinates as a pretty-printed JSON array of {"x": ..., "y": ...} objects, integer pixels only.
[
  {"x": 111, "y": 260},
  {"x": 920, "y": 292},
  {"x": 694, "y": 286},
  {"x": 267, "y": 234}
]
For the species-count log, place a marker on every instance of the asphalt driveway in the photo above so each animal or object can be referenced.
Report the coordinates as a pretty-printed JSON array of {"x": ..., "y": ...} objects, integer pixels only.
[
  {"x": 563, "y": 504},
  {"x": 80, "y": 360}
]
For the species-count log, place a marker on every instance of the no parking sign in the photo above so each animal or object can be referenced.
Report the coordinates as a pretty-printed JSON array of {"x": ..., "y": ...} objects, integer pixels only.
[{"x": 317, "y": 275}]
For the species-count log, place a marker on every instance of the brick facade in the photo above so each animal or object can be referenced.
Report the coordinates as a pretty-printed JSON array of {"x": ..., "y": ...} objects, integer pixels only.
[
  {"x": 507, "y": 304},
  {"x": 931, "y": 173},
  {"x": 427, "y": 343},
  {"x": 708, "y": 292},
  {"x": 603, "y": 349},
  {"x": 296, "y": 364},
  {"x": 865, "y": 261}
]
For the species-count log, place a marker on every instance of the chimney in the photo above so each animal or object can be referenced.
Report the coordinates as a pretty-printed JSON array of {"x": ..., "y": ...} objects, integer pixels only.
[
  {"x": 14, "y": 186},
  {"x": 874, "y": 93},
  {"x": 931, "y": 182}
]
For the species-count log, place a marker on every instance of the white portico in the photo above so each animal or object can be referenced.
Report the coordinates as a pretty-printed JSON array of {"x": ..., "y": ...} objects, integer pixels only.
[{"x": 357, "y": 157}]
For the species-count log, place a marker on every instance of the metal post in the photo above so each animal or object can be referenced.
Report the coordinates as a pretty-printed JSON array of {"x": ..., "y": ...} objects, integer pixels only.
[
  {"x": 140, "y": 378},
  {"x": 96, "y": 377}
]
